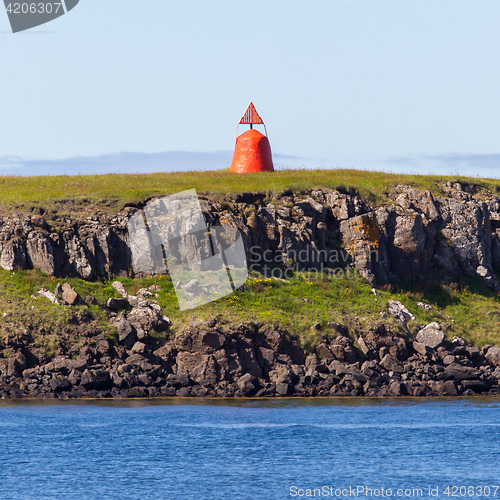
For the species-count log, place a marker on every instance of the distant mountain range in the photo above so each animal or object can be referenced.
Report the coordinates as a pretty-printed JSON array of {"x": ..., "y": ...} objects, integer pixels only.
[
  {"x": 472, "y": 165},
  {"x": 128, "y": 163}
]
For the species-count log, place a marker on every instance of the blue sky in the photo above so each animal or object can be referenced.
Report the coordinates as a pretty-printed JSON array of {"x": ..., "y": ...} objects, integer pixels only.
[{"x": 391, "y": 84}]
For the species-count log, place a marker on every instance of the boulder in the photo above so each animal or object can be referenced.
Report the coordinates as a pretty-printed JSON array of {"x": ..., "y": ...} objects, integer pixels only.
[
  {"x": 76, "y": 255},
  {"x": 197, "y": 367},
  {"x": 323, "y": 352},
  {"x": 192, "y": 286},
  {"x": 265, "y": 357},
  {"x": 139, "y": 348},
  {"x": 126, "y": 333},
  {"x": 120, "y": 289},
  {"x": 274, "y": 339},
  {"x": 477, "y": 386},
  {"x": 60, "y": 384},
  {"x": 397, "y": 388},
  {"x": 247, "y": 384},
  {"x": 460, "y": 372},
  {"x": 450, "y": 388},
  {"x": 493, "y": 356},
  {"x": 281, "y": 374},
  {"x": 96, "y": 379},
  {"x": 69, "y": 295},
  {"x": 16, "y": 364},
  {"x": 149, "y": 318},
  {"x": 284, "y": 389},
  {"x": 117, "y": 304},
  {"x": 391, "y": 364},
  {"x": 343, "y": 350},
  {"x": 249, "y": 361},
  {"x": 48, "y": 295},
  {"x": 449, "y": 360},
  {"x": 431, "y": 335},
  {"x": 422, "y": 349},
  {"x": 399, "y": 311},
  {"x": 212, "y": 340},
  {"x": 89, "y": 299}
]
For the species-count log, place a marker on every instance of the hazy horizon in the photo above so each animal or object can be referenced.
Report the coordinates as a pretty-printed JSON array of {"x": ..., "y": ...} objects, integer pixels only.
[{"x": 184, "y": 161}]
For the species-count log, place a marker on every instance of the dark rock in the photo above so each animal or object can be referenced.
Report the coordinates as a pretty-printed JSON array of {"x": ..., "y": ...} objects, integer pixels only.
[
  {"x": 117, "y": 304},
  {"x": 477, "y": 386},
  {"x": 183, "y": 392},
  {"x": 96, "y": 379},
  {"x": 284, "y": 389},
  {"x": 177, "y": 381},
  {"x": 337, "y": 327},
  {"x": 199, "y": 391},
  {"x": 16, "y": 364},
  {"x": 274, "y": 339},
  {"x": 422, "y": 349},
  {"x": 168, "y": 391},
  {"x": 462, "y": 372},
  {"x": 89, "y": 299},
  {"x": 213, "y": 340},
  {"x": 450, "y": 388},
  {"x": 473, "y": 352},
  {"x": 450, "y": 359},
  {"x": 343, "y": 349},
  {"x": 493, "y": 355},
  {"x": 60, "y": 384},
  {"x": 391, "y": 364},
  {"x": 323, "y": 352},
  {"x": 247, "y": 384},
  {"x": 126, "y": 333},
  {"x": 139, "y": 348},
  {"x": 119, "y": 382},
  {"x": 397, "y": 388},
  {"x": 135, "y": 392}
]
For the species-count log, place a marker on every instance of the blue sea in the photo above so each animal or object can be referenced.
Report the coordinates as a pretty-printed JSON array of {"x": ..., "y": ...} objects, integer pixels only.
[{"x": 250, "y": 449}]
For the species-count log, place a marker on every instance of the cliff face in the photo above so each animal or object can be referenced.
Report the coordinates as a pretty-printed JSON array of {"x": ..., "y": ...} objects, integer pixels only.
[{"x": 412, "y": 239}]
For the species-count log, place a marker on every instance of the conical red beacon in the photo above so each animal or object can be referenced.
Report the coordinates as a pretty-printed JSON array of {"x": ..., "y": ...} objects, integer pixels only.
[{"x": 252, "y": 152}]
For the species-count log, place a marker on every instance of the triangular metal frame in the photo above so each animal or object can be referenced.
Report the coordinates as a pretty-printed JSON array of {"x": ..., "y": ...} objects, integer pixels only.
[{"x": 251, "y": 117}]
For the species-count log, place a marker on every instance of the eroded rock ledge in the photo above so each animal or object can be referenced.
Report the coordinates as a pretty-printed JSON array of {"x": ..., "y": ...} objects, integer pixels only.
[
  {"x": 252, "y": 360},
  {"x": 413, "y": 238}
]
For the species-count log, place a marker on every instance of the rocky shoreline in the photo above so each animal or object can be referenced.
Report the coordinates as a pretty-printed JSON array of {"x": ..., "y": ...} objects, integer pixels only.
[{"x": 252, "y": 360}]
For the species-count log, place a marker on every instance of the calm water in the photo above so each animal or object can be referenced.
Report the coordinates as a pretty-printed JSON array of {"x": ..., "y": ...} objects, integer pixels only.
[{"x": 248, "y": 449}]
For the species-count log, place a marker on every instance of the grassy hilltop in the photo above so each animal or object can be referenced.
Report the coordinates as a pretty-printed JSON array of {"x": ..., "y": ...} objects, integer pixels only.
[
  {"x": 304, "y": 305},
  {"x": 130, "y": 188}
]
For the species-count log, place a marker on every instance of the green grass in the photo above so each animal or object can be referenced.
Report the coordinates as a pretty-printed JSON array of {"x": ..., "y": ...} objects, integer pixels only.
[
  {"x": 118, "y": 189},
  {"x": 471, "y": 311}
]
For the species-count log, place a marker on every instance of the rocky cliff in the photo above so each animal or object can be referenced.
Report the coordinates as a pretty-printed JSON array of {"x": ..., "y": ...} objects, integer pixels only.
[{"x": 414, "y": 238}]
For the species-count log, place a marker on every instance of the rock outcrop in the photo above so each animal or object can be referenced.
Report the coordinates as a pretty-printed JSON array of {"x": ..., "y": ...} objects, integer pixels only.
[
  {"x": 250, "y": 361},
  {"x": 416, "y": 238}
]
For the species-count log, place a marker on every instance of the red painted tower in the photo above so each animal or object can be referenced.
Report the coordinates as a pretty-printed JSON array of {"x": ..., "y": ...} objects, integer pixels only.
[{"x": 252, "y": 152}]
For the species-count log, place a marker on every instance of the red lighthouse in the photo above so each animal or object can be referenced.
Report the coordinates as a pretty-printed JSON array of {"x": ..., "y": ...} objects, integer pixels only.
[{"x": 252, "y": 152}]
